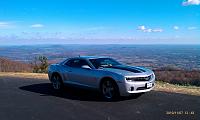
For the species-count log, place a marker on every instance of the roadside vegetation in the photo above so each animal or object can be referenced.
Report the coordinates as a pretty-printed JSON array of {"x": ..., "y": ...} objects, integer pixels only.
[
  {"x": 178, "y": 76},
  {"x": 175, "y": 88},
  {"x": 38, "y": 65},
  {"x": 7, "y": 65}
]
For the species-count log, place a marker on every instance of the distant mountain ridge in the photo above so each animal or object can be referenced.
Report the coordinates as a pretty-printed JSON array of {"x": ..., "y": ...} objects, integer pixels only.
[{"x": 152, "y": 56}]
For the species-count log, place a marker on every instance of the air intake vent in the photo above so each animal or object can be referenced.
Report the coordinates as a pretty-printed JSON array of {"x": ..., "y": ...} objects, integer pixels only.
[{"x": 139, "y": 78}]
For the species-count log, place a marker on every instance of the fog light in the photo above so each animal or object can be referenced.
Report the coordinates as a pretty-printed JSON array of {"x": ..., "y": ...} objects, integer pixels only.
[{"x": 132, "y": 88}]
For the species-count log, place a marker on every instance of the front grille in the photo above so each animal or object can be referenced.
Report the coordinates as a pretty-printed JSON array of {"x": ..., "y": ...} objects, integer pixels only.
[{"x": 139, "y": 78}]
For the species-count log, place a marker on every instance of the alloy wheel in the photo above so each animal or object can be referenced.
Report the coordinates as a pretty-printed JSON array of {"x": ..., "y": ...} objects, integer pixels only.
[
  {"x": 56, "y": 82},
  {"x": 108, "y": 89}
]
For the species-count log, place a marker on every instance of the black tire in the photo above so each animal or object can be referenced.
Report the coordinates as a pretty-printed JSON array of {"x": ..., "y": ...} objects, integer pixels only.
[
  {"x": 109, "y": 90},
  {"x": 57, "y": 83}
]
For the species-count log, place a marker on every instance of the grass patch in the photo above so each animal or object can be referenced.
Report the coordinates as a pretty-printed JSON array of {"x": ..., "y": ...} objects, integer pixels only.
[
  {"x": 24, "y": 75},
  {"x": 175, "y": 88}
]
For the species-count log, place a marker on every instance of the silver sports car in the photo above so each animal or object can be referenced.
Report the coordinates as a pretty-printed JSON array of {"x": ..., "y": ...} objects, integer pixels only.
[{"x": 110, "y": 77}]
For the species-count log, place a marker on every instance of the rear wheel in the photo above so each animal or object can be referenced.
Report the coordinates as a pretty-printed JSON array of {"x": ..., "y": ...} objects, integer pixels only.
[
  {"x": 109, "y": 90},
  {"x": 57, "y": 83}
]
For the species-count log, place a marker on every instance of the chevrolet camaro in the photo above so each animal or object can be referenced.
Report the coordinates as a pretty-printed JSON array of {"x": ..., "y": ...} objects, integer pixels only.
[{"x": 104, "y": 74}]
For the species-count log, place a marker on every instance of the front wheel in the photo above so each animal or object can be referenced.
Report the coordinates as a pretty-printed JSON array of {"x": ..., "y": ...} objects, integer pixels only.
[
  {"x": 109, "y": 90},
  {"x": 57, "y": 83}
]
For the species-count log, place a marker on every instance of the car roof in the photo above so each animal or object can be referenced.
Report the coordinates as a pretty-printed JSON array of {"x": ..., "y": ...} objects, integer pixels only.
[
  {"x": 91, "y": 57},
  {"x": 83, "y": 57}
]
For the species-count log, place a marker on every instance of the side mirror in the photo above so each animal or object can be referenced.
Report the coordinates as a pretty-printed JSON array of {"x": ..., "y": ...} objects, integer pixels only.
[{"x": 86, "y": 67}]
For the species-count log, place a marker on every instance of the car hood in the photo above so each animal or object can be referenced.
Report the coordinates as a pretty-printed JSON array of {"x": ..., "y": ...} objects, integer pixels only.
[{"x": 128, "y": 70}]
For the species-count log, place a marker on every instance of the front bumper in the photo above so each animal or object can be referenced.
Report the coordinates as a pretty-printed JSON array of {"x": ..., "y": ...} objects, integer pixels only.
[{"x": 126, "y": 88}]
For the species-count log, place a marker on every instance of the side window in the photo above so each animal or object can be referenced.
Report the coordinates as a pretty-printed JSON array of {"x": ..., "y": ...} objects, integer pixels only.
[
  {"x": 82, "y": 62},
  {"x": 76, "y": 63},
  {"x": 69, "y": 63}
]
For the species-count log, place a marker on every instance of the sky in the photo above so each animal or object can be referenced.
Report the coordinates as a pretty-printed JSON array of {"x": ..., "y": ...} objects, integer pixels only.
[{"x": 34, "y": 22}]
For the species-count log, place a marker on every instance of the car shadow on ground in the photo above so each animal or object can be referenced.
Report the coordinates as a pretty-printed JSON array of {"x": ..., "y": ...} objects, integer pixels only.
[{"x": 45, "y": 89}]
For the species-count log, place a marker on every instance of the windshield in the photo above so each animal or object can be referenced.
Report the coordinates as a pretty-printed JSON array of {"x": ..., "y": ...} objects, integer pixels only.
[{"x": 103, "y": 62}]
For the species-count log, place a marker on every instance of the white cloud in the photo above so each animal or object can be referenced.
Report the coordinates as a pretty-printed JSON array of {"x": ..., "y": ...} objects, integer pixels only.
[
  {"x": 157, "y": 30},
  {"x": 176, "y": 28},
  {"x": 37, "y": 26},
  {"x": 148, "y": 30},
  {"x": 5, "y": 25},
  {"x": 191, "y": 2},
  {"x": 192, "y": 28},
  {"x": 144, "y": 29},
  {"x": 141, "y": 27}
]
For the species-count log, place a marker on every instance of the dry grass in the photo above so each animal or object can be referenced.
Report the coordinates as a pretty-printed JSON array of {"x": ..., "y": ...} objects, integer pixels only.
[
  {"x": 190, "y": 90},
  {"x": 160, "y": 86},
  {"x": 24, "y": 75}
]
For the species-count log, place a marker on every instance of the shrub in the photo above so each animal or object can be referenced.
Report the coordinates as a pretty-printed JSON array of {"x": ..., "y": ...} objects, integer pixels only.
[
  {"x": 7, "y": 65},
  {"x": 181, "y": 77},
  {"x": 40, "y": 64}
]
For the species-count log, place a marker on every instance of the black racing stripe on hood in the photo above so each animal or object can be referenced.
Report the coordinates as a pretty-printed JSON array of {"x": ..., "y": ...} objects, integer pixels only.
[
  {"x": 140, "y": 69},
  {"x": 127, "y": 68}
]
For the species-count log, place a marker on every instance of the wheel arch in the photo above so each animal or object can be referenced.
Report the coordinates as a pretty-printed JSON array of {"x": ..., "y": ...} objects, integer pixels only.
[{"x": 108, "y": 78}]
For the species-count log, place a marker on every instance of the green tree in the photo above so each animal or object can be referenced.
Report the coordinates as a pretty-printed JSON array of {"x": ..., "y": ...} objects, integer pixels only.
[{"x": 40, "y": 64}]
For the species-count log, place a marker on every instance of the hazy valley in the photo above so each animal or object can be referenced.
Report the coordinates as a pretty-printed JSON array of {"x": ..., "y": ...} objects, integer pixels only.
[{"x": 153, "y": 56}]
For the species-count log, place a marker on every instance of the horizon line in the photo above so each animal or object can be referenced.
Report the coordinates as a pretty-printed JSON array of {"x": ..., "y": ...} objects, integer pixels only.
[{"x": 97, "y": 44}]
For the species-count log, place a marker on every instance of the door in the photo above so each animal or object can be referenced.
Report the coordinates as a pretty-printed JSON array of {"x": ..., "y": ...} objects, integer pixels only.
[{"x": 82, "y": 76}]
